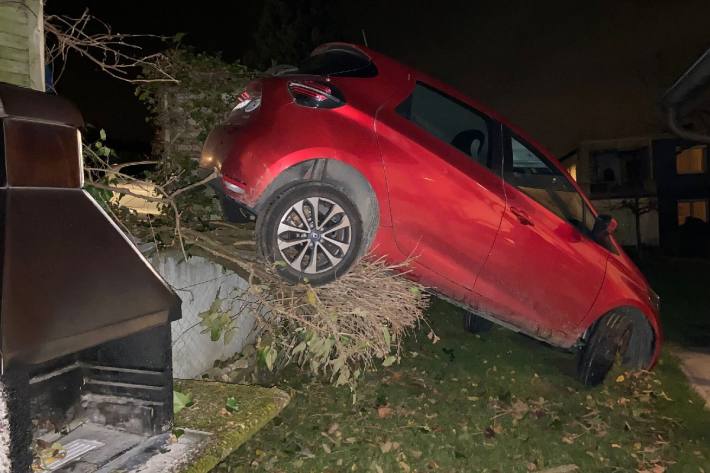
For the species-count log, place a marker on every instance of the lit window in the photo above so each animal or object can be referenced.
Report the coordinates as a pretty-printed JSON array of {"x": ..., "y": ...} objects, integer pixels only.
[
  {"x": 692, "y": 208},
  {"x": 572, "y": 170},
  {"x": 691, "y": 160}
]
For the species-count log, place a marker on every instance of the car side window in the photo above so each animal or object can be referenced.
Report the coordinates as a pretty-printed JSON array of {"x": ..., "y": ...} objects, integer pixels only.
[
  {"x": 535, "y": 176},
  {"x": 450, "y": 121}
]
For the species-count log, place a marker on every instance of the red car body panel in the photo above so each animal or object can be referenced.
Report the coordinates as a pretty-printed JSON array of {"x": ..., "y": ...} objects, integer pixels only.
[{"x": 476, "y": 239}]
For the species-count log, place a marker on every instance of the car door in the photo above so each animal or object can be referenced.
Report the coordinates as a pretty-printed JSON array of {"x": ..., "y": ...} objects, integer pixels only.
[
  {"x": 446, "y": 202},
  {"x": 545, "y": 269}
]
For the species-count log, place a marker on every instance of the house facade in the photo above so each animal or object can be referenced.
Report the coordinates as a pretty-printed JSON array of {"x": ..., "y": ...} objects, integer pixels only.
[{"x": 657, "y": 187}]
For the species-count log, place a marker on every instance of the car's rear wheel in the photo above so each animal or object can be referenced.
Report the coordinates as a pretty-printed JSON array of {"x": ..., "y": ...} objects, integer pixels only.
[
  {"x": 312, "y": 232},
  {"x": 609, "y": 337}
]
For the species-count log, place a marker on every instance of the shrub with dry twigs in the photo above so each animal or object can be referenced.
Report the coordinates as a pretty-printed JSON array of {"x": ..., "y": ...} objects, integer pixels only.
[{"x": 338, "y": 330}]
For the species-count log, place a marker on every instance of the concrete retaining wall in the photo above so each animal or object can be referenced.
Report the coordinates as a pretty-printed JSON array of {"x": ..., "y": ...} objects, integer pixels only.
[{"x": 198, "y": 282}]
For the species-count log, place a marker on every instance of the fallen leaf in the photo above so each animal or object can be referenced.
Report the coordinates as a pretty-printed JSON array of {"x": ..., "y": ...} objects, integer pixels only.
[
  {"x": 519, "y": 409},
  {"x": 561, "y": 469},
  {"x": 620, "y": 378},
  {"x": 326, "y": 448},
  {"x": 384, "y": 412},
  {"x": 432, "y": 336}
]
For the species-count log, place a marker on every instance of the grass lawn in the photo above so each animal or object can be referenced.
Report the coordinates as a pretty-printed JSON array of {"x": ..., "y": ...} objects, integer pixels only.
[{"x": 495, "y": 402}]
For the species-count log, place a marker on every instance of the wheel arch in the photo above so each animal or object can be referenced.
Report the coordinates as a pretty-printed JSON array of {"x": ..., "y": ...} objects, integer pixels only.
[
  {"x": 338, "y": 173},
  {"x": 644, "y": 345}
]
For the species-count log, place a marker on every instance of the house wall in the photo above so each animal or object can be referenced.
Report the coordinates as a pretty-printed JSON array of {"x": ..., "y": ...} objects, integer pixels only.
[
  {"x": 626, "y": 233},
  {"x": 22, "y": 43},
  {"x": 673, "y": 187}
]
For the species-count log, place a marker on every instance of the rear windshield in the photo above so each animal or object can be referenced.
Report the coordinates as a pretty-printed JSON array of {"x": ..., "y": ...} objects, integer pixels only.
[{"x": 338, "y": 62}]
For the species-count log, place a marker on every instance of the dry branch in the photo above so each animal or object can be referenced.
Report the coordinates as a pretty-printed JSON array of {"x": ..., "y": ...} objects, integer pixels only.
[{"x": 118, "y": 55}]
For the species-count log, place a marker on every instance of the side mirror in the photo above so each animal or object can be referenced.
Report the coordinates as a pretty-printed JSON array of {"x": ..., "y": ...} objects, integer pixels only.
[{"x": 604, "y": 225}]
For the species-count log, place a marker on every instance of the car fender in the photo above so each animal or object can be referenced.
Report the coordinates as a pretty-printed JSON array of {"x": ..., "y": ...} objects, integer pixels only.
[
  {"x": 621, "y": 292},
  {"x": 359, "y": 177}
]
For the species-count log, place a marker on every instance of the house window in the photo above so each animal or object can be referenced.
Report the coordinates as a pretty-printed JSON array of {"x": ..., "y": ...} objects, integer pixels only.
[
  {"x": 692, "y": 208},
  {"x": 619, "y": 172},
  {"x": 691, "y": 160}
]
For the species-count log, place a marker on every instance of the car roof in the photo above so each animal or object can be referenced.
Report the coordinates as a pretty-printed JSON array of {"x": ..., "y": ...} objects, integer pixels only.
[{"x": 392, "y": 69}]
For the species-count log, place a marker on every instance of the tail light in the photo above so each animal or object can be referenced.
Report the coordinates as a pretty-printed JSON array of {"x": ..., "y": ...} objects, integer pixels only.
[
  {"x": 315, "y": 94},
  {"x": 248, "y": 99}
]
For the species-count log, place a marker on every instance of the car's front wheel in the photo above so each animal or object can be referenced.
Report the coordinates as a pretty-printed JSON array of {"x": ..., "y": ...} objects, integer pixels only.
[
  {"x": 609, "y": 337},
  {"x": 312, "y": 232}
]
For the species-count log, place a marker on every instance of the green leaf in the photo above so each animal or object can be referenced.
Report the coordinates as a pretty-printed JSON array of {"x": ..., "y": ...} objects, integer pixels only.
[
  {"x": 415, "y": 290},
  {"x": 102, "y": 134},
  {"x": 231, "y": 404},
  {"x": 181, "y": 401},
  {"x": 299, "y": 348},
  {"x": 386, "y": 334},
  {"x": 389, "y": 361},
  {"x": 311, "y": 297},
  {"x": 344, "y": 377},
  {"x": 338, "y": 364},
  {"x": 215, "y": 333},
  {"x": 178, "y": 432},
  {"x": 268, "y": 356}
]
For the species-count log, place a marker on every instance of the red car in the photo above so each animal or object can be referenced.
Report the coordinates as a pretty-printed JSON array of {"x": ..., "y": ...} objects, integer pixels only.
[{"x": 353, "y": 151}]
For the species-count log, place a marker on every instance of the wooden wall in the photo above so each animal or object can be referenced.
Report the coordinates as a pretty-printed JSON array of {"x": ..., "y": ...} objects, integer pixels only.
[{"x": 22, "y": 43}]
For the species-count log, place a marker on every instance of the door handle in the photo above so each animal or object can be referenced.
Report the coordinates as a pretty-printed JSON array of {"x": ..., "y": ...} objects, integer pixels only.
[{"x": 522, "y": 216}]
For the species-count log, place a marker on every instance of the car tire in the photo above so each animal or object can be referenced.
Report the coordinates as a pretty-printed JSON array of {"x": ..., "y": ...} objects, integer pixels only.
[
  {"x": 476, "y": 324},
  {"x": 337, "y": 238},
  {"x": 609, "y": 337}
]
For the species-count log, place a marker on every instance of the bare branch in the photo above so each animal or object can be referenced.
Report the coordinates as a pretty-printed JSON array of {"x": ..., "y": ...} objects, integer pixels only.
[{"x": 118, "y": 55}]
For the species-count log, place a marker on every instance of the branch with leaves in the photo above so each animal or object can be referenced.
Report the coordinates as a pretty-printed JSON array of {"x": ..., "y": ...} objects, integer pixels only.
[{"x": 338, "y": 330}]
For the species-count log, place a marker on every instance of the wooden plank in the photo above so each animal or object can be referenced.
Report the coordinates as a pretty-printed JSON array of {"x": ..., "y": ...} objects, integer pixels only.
[
  {"x": 17, "y": 79},
  {"x": 22, "y": 43},
  {"x": 13, "y": 11},
  {"x": 13, "y": 41},
  {"x": 17, "y": 25},
  {"x": 14, "y": 54},
  {"x": 36, "y": 43},
  {"x": 16, "y": 67},
  {"x": 13, "y": 25}
]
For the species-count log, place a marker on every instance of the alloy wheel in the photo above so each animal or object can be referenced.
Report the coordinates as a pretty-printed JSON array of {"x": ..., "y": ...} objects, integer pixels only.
[{"x": 314, "y": 235}]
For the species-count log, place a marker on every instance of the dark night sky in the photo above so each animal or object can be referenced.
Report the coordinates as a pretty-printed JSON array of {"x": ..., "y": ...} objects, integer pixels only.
[
  {"x": 109, "y": 103},
  {"x": 565, "y": 71}
]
